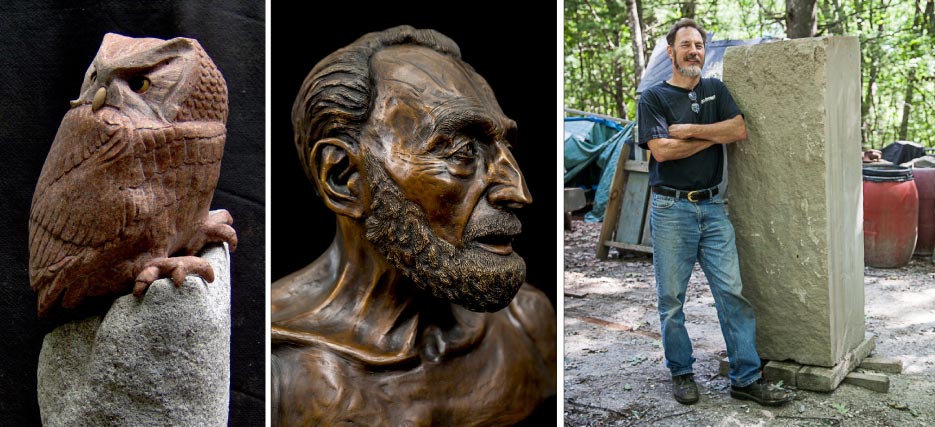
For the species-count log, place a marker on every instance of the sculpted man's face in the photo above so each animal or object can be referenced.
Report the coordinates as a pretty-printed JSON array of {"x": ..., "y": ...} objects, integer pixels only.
[
  {"x": 443, "y": 180},
  {"x": 688, "y": 52}
]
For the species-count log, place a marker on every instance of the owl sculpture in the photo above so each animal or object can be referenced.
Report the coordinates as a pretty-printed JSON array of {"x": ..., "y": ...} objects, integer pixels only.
[{"x": 123, "y": 196}]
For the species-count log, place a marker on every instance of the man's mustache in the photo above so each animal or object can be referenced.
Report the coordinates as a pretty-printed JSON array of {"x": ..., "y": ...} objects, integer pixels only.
[{"x": 500, "y": 223}]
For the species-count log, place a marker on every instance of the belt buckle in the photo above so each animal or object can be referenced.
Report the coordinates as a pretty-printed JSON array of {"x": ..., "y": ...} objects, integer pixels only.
[{"x": 691, "y": 196}]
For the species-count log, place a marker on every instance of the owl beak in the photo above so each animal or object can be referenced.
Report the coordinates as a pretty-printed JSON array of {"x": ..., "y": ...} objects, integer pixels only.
[{"x": 99, "y": 98}]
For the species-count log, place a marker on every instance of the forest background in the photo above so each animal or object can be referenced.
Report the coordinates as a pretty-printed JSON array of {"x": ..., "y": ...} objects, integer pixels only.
[{"x": 607, "y": 44}]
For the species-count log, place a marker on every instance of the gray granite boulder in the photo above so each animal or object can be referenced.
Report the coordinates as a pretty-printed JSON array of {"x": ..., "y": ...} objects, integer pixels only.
[{"x": 160, "y": 360}]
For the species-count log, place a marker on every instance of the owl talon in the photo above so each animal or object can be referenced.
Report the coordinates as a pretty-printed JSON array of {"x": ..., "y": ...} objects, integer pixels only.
[
  {"x": 140, "y": 288},
  {"x": 216, "y": 229},
  {"x": 176, "y": 268}
]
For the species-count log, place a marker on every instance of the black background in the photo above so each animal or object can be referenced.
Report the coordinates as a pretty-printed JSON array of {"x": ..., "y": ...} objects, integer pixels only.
[
  {"x": 512, "y": 47},
  {"x": 45, "y": 49},
  {"x": 494, "y": 39}
]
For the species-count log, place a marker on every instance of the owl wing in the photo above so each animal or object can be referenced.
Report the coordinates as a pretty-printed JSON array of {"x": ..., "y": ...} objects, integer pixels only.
[
  {"x": 84, "y": 198},
  {"x": 109, "y": 192}
]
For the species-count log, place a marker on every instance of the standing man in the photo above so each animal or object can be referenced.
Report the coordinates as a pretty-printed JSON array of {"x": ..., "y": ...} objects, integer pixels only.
[{"x": 683, "y": 122}]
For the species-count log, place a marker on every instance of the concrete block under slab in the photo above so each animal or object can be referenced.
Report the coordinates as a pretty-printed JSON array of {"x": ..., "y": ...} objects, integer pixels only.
[
  {"x": 875, "y": 382},
  {"x": 816, "y": 378},
  {"x": 883, "y": 364},
  {"x": 782, "y": 371},
  {"x": 797, "y": 217}
]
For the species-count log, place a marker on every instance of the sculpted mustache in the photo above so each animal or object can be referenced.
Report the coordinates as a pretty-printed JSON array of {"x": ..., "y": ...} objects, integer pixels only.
[{"x": 500, "y": 223}]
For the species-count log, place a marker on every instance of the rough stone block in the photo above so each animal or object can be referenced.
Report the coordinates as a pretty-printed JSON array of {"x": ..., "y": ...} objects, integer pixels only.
[
  {"x": 796, "y": 195},
  {"x": 883, "y": 364},
  {"x": 782, "y": 371},
  {"x": 875, "y": 382},
  {"x": 723, "y": 367},
  {"x": 163, "y": 359}
]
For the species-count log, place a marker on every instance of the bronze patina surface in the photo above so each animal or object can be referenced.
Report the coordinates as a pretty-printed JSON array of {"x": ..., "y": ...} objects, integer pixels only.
[
  {"x": 124, "y": 193},
  {"x": 418, "y": 313}
]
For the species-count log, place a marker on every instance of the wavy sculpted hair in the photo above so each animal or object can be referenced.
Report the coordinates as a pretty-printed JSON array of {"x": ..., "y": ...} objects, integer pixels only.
[{"x": 336, "y": 96}]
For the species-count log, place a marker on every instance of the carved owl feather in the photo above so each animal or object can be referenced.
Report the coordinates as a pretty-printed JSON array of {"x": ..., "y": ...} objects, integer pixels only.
[{"x": 124, "y": 193}]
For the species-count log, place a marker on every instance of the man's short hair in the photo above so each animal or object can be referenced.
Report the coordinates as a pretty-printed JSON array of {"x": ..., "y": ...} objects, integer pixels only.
[
  {"x": 682, "y": 23},
  {"x": 335, "y": 98}
]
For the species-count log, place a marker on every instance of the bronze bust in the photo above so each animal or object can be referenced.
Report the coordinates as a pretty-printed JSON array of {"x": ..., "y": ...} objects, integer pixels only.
[{"x": 417, "y": 314}]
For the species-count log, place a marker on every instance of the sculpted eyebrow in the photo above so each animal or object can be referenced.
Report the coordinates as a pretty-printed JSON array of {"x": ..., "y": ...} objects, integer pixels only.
[
  {"x": 451, "y": 120},
  {"x": 461, "y": 116}
]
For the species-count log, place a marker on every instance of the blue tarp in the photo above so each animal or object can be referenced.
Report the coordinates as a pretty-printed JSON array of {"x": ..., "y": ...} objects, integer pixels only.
[
  {"x": 585, "y": 139},
  {"x": 597, "y": 140}
]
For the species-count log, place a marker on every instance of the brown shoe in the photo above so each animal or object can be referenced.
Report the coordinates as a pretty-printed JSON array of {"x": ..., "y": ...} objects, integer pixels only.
[
  {"x": 684, "y": 389},
  {"x": 763, "y": 393}
]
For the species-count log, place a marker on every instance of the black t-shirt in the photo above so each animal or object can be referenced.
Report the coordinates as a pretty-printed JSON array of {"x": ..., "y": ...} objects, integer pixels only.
[{"x": 663, "y": 105}]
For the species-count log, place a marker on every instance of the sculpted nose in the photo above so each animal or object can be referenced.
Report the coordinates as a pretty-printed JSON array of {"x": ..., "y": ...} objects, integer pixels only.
[{"x": 507, "y": 186}]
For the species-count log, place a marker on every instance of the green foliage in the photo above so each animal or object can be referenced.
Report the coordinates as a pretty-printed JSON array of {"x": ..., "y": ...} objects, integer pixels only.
[
  {"x": 840, "y": 407},
  {"x": 897, "y": 42}
]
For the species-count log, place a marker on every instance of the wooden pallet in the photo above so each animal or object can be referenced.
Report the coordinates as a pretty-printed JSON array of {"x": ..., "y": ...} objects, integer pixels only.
[{"x": 626, "y": 220}]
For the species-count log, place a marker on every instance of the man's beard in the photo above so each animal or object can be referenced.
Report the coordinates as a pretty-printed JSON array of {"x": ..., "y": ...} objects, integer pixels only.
[
  {"x": 691, "y": 71},
  {"x": 470, "y": 276}
]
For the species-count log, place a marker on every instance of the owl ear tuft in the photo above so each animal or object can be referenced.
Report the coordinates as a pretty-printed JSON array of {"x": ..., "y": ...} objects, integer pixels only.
[{"x": 334, "y": 165}]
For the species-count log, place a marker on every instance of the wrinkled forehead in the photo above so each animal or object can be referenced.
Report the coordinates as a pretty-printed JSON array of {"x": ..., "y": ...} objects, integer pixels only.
[
  {"x": 438, "y": 82},
  {"x": 688, "y": 33}
]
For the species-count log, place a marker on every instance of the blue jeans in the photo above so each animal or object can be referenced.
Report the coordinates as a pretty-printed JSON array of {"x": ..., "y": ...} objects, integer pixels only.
[{"x": 684, "y": 232}]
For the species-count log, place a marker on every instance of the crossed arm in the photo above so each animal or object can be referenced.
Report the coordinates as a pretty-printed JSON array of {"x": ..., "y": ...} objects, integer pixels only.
[{"x": 687, "y": 139}]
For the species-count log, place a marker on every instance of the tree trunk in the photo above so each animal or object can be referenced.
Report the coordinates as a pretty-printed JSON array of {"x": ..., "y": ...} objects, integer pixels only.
[
  {"x": 867, "y": 104},
  {"x": 618, "y": 90},
  {"x": 907, "y": 106},
  {"x": 930, "y": 17},
  {"x": 636, "y": 36},
  {"x": 873, "y": 70},
  {"x": 688, "y": 9},
  {"x": 841, "y": 17},
  {"x": 917, "y": 26},
  {"x": 801, "y": 18}
]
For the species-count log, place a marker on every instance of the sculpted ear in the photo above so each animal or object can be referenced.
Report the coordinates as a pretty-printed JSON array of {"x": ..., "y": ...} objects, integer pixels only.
[{"x": 335, "y": 165}]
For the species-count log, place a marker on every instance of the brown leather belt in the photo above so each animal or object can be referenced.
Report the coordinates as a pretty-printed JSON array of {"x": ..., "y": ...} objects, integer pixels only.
[{"x": 691, "y": 196}]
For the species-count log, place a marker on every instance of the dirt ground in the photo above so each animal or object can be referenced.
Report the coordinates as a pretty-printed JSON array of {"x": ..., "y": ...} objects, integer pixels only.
[{"x": 614, "y": 374}]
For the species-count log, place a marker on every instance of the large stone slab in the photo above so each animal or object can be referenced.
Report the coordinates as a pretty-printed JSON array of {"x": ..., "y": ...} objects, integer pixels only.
[
  {"x": 796, "y": 195},
  {"x": 163, "y": 359}
]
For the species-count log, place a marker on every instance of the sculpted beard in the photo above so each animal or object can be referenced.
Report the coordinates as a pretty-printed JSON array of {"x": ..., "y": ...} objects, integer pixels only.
[{"x": 471, "y": 277}]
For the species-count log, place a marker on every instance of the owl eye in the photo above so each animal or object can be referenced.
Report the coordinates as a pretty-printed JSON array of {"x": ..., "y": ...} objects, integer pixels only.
[
  {"x": 93, "y": 76},
  {"x": 139, "y": 84}
]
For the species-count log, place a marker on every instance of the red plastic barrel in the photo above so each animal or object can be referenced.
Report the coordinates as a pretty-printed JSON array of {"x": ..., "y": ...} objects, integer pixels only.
[
  {"x": 891, "y": 215},
  {"x": 925, "y": 183}
]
